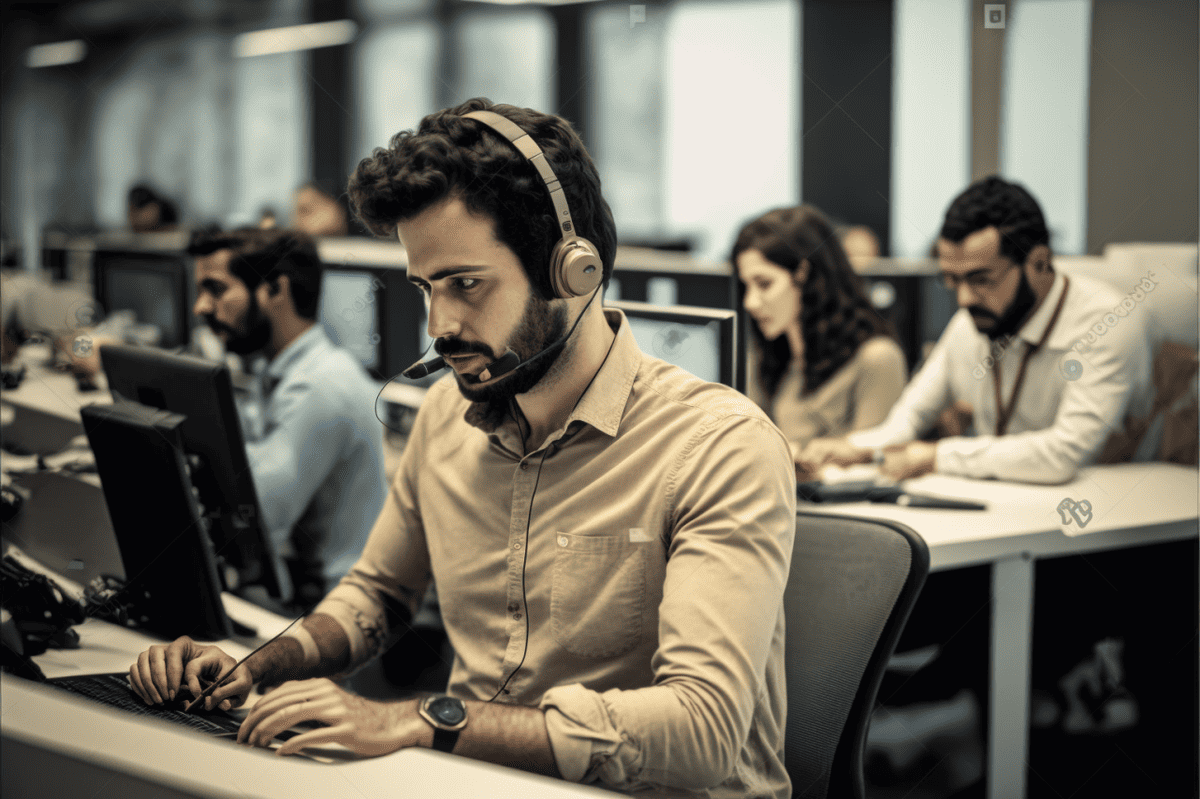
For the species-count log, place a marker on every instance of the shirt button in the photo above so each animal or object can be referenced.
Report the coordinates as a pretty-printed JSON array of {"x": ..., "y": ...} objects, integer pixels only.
[
  {"x": 524, "y": 466},
  {"x": 517, "y": 545},
  {"x": 517, "y": 616},
  {"x": 562, "y": 541},
  {"x": 513, "y": 607}
]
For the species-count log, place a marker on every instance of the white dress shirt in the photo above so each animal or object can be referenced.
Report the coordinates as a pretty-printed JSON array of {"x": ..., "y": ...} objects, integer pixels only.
[{"x": 1072, "y": 398}]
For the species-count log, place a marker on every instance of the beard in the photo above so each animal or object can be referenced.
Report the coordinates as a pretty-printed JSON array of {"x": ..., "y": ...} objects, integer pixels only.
[
  {"x": 541, "y": 325},
  {"x": 1010, "y": 321},
  {"x": 257, "y": 327}
]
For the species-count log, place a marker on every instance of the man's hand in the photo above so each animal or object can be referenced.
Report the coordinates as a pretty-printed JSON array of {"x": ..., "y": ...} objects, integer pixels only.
[
  {"x": 909, "y": 460},
  {"x": 823, "y": 451},
  {"x": 361, "y": 725},
  {"x": 162, "y": 671},
  {"x": 955, "y": 420}
]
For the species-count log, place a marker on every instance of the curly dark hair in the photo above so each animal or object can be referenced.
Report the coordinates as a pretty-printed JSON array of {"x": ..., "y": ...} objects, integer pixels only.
[
  {"x": 452, "y": 155},
  {"x": 1009, "y": 207},
  {"x": 264, "y": 255},
  {"x": 835, "y": 314}
]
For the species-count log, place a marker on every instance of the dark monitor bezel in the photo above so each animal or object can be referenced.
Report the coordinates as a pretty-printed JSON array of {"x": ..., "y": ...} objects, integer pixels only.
[
  {"x": 187, "y": 383},
  {"x": 727, "y": 328},
  {"x": 179, "y": 270}
]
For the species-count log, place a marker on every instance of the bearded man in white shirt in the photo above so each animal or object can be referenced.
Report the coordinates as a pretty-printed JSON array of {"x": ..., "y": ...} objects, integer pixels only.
[{"x": 1022, "y": 359}]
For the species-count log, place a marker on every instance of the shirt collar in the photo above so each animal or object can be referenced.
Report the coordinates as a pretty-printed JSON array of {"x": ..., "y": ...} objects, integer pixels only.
[
  {"x": 300, "y": 346},
  {"x": 1033, "y": 329},
  {"x": 603, "y": 403}
]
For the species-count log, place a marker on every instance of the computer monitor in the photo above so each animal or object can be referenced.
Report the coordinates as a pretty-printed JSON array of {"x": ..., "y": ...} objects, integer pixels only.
[
  {"x": 156, "y": 286},
  {"x": 375, "y": 313},
  {"x": 202, "y": 391},
  {"x": 171, "y": 583},
  {"x": 702, "y": 341}
]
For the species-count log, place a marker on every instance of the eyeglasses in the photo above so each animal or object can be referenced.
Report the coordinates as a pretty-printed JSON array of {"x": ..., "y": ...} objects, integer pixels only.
[{"x": 979, "y": 279}]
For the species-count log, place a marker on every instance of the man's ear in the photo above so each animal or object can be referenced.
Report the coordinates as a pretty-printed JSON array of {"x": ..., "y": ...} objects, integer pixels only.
[
  {"x": 282, "y": 286},
  {"x": 1039, "y": 259}
]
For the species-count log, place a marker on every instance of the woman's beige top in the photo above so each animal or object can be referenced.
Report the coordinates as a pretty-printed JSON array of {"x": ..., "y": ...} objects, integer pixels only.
[{"x": 857, "y": 396}]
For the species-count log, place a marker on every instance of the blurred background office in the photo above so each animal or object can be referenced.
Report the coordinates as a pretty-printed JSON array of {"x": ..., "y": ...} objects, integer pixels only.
[
  {"x": 128, "y": 119},
  {"x": 700, "y": 114}
]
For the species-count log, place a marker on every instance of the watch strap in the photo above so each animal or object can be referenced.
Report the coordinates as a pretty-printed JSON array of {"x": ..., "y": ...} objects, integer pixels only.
[{"x": 444, "y": 740}]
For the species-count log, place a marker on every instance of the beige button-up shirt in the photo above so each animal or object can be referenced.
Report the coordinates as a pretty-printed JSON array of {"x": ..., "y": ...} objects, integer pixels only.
[{"x": 627, "y": 577}]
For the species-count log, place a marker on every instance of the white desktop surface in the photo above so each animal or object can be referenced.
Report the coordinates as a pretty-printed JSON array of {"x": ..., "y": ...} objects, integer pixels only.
[
  {"x": 48, "y": 391},
  {"x": 1132, "y": 503}
]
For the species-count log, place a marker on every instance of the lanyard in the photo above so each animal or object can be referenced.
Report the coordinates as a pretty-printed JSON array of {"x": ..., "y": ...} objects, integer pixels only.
[{"x": 1003, "y": 414}]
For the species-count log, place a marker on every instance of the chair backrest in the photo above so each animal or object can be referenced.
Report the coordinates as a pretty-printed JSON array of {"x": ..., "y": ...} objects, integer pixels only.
[{"x": 852, "y": 584}]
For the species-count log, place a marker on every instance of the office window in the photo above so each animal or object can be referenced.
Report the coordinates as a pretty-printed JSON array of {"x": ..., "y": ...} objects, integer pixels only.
[
  {"x": 507, "y": 56},
  {"x": 730, "y": 128},
  {"x": 931, "y": 109},
  {"x": 625, "y": 117},
  {"x": 1043, "y": 133},
  {"x": 395, "y": 74},
  {"x": 271, "y": 125}
]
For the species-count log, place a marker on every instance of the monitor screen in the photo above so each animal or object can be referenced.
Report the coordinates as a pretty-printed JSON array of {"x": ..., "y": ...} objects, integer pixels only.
[
  {"x": 155, "y": 286},
  {"x": 699, "y": 340},
  {"x": 350, "y": 314}
]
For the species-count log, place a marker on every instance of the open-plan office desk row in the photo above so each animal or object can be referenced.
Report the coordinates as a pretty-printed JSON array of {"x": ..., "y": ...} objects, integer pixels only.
[{"x": 1129, "y": 505}]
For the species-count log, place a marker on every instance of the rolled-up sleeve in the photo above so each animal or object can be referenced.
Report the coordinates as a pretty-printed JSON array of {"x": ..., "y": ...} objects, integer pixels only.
[{"x": 732, "y": 499}]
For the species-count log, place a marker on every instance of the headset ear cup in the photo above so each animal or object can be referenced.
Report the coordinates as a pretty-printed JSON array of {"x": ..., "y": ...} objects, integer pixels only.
[{"x": 576, "y": 268}]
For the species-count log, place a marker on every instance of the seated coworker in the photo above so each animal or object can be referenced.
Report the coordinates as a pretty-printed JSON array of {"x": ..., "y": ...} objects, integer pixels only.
[
  {"x": 598, "y": 521},
  {"x": 1041, "y": 408},
  {"x": 314, "y": 445},
  {"x": 823, "y": 362}
]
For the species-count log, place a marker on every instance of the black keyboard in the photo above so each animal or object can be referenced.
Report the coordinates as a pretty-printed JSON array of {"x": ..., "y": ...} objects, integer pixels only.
[{"x": 113, "y": 690}]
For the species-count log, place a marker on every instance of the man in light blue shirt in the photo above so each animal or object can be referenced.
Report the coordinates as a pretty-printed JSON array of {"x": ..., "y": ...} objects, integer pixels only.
[{"x": 314, "y": 444}]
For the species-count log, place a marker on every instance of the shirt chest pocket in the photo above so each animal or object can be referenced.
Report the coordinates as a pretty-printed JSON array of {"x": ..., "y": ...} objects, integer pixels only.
[{"x": 598, "y": 594}]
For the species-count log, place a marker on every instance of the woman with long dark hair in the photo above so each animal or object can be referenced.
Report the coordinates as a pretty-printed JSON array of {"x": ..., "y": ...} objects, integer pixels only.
[{"x": 823, "y": 362}]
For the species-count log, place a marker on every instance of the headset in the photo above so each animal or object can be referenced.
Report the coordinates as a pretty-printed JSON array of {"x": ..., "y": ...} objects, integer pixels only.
[{"x": 575, "y": 265}]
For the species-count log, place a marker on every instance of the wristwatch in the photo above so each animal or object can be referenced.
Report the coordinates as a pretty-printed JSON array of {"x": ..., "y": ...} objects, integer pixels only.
[{"x": 448, "y": 716}]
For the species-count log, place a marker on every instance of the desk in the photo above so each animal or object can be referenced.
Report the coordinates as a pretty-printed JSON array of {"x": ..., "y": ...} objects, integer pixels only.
[
  {"x": 109, "y": 753},
  {"x": 46, "y": 404},
  {"x": 1132, "y": 504}
]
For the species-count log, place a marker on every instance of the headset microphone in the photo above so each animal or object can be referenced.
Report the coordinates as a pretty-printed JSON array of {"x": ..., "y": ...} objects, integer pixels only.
[
  {"x": 501, "y": 366},
  {"x": 422, "y": 368}
]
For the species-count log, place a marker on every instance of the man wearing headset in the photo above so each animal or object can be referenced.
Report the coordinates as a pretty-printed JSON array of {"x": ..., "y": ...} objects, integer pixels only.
[{"x": 610, "y": 536}]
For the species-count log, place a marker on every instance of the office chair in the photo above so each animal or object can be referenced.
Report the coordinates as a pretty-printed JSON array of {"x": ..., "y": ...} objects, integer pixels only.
[{"x": 852, "y": 584}]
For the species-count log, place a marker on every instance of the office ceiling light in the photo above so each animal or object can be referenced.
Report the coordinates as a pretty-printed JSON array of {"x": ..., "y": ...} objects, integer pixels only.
[
  {"x": 537, "y": 2},
  {"x": 296, "y": 37},
  {"x": 55, "y": 54}
]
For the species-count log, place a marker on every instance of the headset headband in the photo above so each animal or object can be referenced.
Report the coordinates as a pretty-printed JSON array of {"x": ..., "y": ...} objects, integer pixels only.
[{"x": 529, "y": 148}]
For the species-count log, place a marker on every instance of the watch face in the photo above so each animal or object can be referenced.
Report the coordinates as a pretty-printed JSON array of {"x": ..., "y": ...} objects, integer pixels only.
[{"x": 447, "y": 710}]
